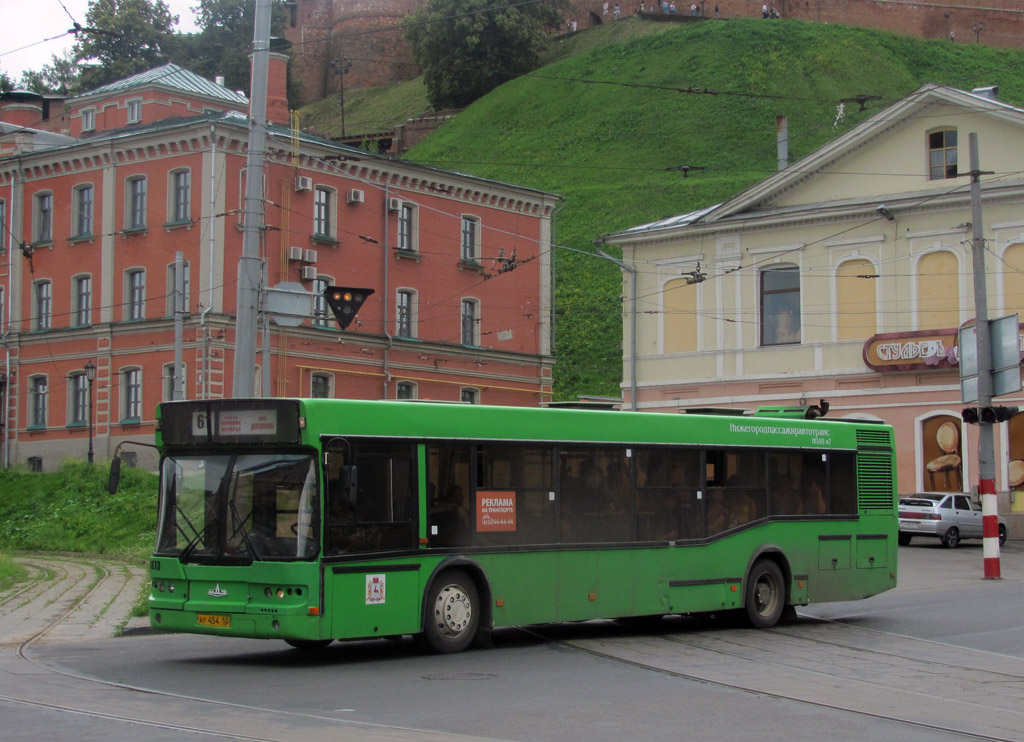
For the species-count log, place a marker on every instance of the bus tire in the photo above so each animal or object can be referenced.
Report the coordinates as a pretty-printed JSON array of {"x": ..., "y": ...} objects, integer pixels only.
[
  {"x": 765, "y": 594},
  {"x": 453, "y": 612},
  {"x": 308, "y": 645}
]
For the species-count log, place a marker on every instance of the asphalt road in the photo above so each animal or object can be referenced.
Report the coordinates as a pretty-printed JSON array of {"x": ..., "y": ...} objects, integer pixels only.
[{"x": 938, "y": 658}]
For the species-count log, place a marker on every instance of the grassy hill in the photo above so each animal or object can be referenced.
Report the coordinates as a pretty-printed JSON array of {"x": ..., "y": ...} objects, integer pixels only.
[
  {"x": 608, "y": 147},
  {"x": 604, "y": 121}
]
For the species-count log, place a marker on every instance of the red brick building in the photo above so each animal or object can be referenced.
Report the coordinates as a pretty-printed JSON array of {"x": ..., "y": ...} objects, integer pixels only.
[{"x": 94, "y": 213}]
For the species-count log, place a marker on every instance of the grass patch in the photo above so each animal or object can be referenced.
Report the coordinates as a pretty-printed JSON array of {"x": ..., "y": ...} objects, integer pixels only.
[
  {"x": 10, "y": 571},
  {"x": 70, "y": 511}
]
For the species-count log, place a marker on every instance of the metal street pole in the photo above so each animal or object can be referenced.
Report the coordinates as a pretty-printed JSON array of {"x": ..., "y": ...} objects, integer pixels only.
[
  {"x": 90, "y": 374},
  {"x": 986, "y": 437},
  {"x": 249, "y": 268}
]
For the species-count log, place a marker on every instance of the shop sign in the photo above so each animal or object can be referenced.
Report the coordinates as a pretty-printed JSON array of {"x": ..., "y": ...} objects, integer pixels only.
[{"x": 915, "y": 351}]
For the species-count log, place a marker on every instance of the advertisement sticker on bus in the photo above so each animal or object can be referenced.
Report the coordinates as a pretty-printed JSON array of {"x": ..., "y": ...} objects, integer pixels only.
[
  {"x": 495, "y": 510},
  {"x": 375, "y": 589}
]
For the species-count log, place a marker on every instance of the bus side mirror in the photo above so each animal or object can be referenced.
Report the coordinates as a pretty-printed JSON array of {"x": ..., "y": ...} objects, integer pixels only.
[
  {"x": 349, "y": 484},
  {"x": 115, "y": 475}
]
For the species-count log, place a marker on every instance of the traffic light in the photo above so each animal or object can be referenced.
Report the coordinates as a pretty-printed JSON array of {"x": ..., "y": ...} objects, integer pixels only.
[
  {"x": 345, "y": 302},
  {"x": 990, "y": 415},
  {"x": 998, "y": 414}
]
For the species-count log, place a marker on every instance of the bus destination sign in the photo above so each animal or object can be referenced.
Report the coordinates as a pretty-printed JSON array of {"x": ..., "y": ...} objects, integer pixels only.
[{"x": 236, "y": 423}]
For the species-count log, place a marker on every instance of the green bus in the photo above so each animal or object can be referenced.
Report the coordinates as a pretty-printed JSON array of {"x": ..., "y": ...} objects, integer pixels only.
[{"x": 313, "y": 520}]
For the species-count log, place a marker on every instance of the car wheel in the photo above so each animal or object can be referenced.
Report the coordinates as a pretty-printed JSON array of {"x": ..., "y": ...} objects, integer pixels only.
[
  {"x": 952, "y": 538},
  {"x": 903, "y": 539},
  {"x": 453, "y": 613},
  {"x": 1002, "y": 534},
  {"x": 765, "y": 596}
]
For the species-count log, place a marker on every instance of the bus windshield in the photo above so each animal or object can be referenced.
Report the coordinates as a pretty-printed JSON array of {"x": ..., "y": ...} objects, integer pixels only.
[{"x": 238, "y": 508}]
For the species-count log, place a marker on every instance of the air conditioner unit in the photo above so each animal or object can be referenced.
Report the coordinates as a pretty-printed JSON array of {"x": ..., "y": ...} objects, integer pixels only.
[
  {"x": 295, "y": 253},
  {"x": 394, "y": 204},
  {"x": 303, "y": 183},
  {"x": 309, "y": 273},
  {"x": 309, "y": 256},
  {"x": 356, "y": 196}
]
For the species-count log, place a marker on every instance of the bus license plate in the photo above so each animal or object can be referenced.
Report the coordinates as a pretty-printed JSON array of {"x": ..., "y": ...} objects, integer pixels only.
[{"x": 221, "y": 622}]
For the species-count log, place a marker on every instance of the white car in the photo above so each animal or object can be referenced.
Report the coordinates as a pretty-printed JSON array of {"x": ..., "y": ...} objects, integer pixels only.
[{"x": 949, "y": 516}]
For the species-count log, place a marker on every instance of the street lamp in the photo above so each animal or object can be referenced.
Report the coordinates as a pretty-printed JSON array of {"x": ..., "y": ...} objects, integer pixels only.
[{"x": 90, "y": 375}]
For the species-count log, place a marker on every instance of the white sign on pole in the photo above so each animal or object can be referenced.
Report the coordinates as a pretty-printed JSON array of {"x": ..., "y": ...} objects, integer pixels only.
[{"x": 288, "y": 303}]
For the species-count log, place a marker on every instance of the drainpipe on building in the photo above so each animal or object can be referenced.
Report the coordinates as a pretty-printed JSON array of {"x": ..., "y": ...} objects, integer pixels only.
[
  {"x": 213, "y": 241},
  {"x": 632, "y": 331},
  {"x": 7, "y": 316}
]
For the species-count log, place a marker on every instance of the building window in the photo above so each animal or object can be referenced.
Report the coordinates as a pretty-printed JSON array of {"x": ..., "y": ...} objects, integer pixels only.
[
  {"x": 39, "y": 393},
  {"x": 320, "y": 386},
  {"x": 470, "y": 238},
  {"x": 171, "y": 280},
  {"x": 323, "y": 223},
  {"x": 89, "y": 119},
  {"x": 406, "y": 227},
  {"x": 405, "y": 390},
  {"x": 83, "y": 211},
  {"x": 405, "y": 314},
  {"x": 470, "y": 322},
  {"x": 43, "y": 304},
  {"x": 181, "y": 196},
  {"x": 44, "y": 217},
  {"x": 135, "y": 294},
  {"x": 79, "y": 400},
  {"x": 169, "y": 381},
  {"x": 321, "y": 313},
  {"x": 938, "y": 291},
  {"x": 134, "y": 111},
  {"x": 470, "y": 396},
  {"x": 35, "y": 464},
  {"x": 942, "y": 154},
  {"x": 131, "y": 392},
  {"x": 82, "y": 301},
  {"x": 780, "y": 305},
  {"x": 856, "y": 302},
  {"x": 136, "y": 206}
]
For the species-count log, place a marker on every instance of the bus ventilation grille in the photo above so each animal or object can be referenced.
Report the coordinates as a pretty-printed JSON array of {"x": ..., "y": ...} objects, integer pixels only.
[
  {"x": 874, "y": 482},
  {"x": 874, "y": 439}
]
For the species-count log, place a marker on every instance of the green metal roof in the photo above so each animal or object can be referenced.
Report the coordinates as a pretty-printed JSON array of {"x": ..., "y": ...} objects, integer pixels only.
[{"x": 171, "y": 76}]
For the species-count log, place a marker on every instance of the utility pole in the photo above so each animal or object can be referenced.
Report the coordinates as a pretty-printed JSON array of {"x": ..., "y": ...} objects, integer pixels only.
[
  {"x": 249, "y": 268},
  {"x": 177, "y": 376},
  {"x": 986, "y": 437}
]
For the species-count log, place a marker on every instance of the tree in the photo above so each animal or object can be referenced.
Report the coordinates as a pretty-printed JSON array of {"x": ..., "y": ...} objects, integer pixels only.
[
  {"x": 121, "y": 38},
  {"x": 59, "y": 76},
  {"x": 466, "y": 48},
  {"x": 224, "y": 41}
]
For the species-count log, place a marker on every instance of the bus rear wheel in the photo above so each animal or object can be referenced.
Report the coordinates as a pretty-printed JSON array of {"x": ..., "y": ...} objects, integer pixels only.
[
  {"x": 765, "y": 596},
  {"x": 453, "y": 612}
]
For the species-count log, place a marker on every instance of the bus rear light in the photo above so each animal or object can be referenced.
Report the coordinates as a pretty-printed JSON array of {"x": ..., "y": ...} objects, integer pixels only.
[
  {"x": 592, "y": 596},
  {"x": 280, "y": 593},
  {"x": 314, "y": 610}
]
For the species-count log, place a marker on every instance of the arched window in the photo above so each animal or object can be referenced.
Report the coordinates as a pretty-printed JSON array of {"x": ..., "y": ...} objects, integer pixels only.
[
  {"x": 780, "y": 305},
  {"x": 679, "y": 303},
  {"x": 1013, "y": 280},
  {"x": 856, "y": 300},
  {"x": 938, "y": 291}
]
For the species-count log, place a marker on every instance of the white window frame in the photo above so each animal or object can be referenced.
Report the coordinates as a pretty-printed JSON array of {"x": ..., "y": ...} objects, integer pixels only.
[
  {"x": 42, "y": 217},
  {"x": 84, "y": 210},
  {"x": 134, "y": 110},
  {"x": 81, "y": 301},
  {"x": 405, "y": 316},
  {"x": 134, "y": 294},
  {"x": 136, "y": 189},
  {"x": 469, "y": 238},
  {"x": 325, "y": 201},
  {"x": 78, "y": 399},
  {"x": 170, "y": 288},
  {"x": 39, "y": 388},
  {"x": 322, "y": 314},
  {"x": 131, "y": 394},
  {"x": 179, "y": 195},
  {"x": 42, "y": 294},
  {"x": 469, "y": 335},
  {"x": 408, "y": 227},
  {"x": 88, "y": 120}
]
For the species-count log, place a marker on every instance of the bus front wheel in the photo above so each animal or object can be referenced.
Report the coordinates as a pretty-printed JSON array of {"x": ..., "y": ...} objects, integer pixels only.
[
  {"x": 453, "y": 612},
  {"x": 765, "y": 596}
]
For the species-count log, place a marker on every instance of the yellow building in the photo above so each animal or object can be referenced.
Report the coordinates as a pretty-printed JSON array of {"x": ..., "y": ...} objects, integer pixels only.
[{"x": 845, "y": 277}]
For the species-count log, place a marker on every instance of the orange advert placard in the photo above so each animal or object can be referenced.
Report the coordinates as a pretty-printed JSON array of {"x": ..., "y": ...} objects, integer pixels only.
[{"x": 495, "y": 510}]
